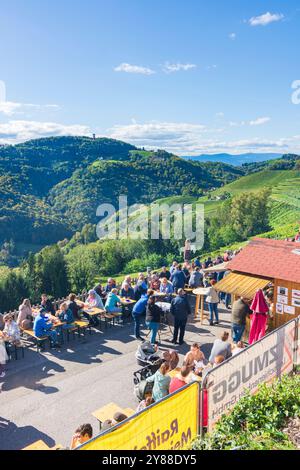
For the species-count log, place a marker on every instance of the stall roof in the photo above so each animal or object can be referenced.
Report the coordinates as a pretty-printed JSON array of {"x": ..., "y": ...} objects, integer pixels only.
[
  {"x": 241, "y": 285},
  {"x": 275, "y": 259},
  {"x": 218, "y": 268}
]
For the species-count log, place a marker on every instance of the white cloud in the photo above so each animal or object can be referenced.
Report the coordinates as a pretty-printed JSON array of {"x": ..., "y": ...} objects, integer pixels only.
[
  {"x": 170, "y": 68},
  {"x": 194, "y": 139},
  {"x": 16, "y": 131},
  {"x": 260, "y": 121},
  {"x": 128, "y": 68},
  {"x": 232, "y": 36},
  {"x": 10, "y": 108},
  {"x": 264, "y": 20}
]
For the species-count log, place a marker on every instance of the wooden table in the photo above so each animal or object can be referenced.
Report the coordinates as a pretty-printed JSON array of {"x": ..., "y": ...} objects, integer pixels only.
[
  {"x": 93, "y": 311},
  {"x": 108, "y": 411}
]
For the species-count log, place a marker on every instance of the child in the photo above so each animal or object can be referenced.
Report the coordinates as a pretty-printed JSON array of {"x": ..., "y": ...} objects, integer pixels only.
[{"x": 3, "y": 355}]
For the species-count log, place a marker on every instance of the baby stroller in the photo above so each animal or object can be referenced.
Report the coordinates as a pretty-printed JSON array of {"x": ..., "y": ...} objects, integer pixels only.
[
  {"x": 141, "y": 387},
  {"x": 146, "y": 354}
]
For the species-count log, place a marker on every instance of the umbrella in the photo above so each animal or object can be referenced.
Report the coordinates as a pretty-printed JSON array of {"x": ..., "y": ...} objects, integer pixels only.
[{"x": 259, "y": 304}]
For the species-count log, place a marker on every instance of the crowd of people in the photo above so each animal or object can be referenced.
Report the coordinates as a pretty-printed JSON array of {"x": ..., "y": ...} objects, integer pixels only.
[{"x": 151, "y": 296}]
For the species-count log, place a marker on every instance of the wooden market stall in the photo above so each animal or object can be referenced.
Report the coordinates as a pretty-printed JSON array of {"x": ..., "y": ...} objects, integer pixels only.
[{"x": 264, "y": 264}]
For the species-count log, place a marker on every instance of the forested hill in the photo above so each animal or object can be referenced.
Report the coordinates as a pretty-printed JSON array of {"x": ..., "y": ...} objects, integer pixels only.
[{"x": 51, "y": 187}]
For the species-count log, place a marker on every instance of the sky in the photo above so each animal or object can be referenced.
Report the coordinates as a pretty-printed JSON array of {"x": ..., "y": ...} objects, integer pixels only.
[{"x": 190, "y": 76}]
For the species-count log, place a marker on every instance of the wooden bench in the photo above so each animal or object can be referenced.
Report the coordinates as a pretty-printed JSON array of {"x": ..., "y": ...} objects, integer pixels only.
[
  {"x": 37, "y": 339},
  {"x": 82, "y": 325},
  {"x": 108, "y": 411},
  {"x": 109, "y": 318},
  {"x": 41, "y": 445},
  {"x": 13, "y": 348}
]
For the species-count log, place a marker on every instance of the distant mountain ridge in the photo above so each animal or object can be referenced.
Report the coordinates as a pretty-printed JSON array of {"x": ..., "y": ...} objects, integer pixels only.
[{"x": 236, "y": 160}]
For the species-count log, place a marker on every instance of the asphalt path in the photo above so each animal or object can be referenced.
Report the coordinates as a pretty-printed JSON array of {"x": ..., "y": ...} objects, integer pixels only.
[{"x": 47, "y": 395}]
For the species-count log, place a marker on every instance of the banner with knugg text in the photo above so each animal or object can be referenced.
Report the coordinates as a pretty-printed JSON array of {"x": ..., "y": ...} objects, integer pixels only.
[
  {"x": 267, "y": 359},
  {"x": 171, "y": 424}
]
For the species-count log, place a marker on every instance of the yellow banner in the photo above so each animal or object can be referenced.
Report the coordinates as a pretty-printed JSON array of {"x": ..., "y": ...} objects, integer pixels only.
[{"x": 168, "y": 425}]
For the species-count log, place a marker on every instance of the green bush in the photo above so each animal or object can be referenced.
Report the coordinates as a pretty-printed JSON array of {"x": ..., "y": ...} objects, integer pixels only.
[{"x": 256, "y": 422}]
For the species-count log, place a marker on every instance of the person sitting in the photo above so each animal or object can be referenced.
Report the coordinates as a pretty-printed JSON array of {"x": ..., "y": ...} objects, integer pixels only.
[
  {"x": 100, "y": 291},
  {"x": 3, "y": 355},
  {"x": 195, "y": 359},
  {"x": 93, "y": 301},
  {"x": 217, "y": 361},
  {"x": 240, "y": 346},
  {"x": 127, "y": 280},
  {"x": 47, "y": 305},
  {"x": 166, "y": 287},
  {"x": 111, "y": 284},
  {"x": 25, "y": 316},
  {"x": 197, "y": 262},
  {"x": 165, "y": 273},
  {"x": 196, "y": 279},
  {"x": 112, "y": 301},
  {"x": 172, "y": 358},
  {"x": 82, "y": 434},
  {"x": 145, "y": 403},
  {"x": 138, "y": 310},
  {"x": 153, "y": 315},
  {"x": 221, "y": 347},
  {"x": 42, "y": 327},
  {"x": 117, "y": 418},
  {"x": 66, "y": 316},
  {"x": 11, "y": 330},
  {"x": 127, "y": 291},
  {"x": 140, "y": 287},
  {"x": 180, "y": 380},
  {"x": 74, "y": 306},
  {"x": 178, "y": 278},
  {"x": 154, "y": 282},
  {"x": 161, "y": 381}
]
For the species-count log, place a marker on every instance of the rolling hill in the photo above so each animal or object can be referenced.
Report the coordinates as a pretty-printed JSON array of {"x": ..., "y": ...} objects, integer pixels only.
[{"x": 51, "y": 187}]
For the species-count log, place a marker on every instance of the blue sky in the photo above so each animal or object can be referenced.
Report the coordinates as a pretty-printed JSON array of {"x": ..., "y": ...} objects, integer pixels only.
[{"x": 189, "y": 76}]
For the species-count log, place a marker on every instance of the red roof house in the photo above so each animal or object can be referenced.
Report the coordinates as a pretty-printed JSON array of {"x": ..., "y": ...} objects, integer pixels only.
[{"x": 274, "y": 259}]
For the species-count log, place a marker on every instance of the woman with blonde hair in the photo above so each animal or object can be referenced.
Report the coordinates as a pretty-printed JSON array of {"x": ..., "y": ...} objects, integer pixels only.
[{"x": 25, "y": 316}]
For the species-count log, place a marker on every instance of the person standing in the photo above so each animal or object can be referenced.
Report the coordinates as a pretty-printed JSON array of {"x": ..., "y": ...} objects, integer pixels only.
[
  {"x": 153, "y": 315},
  {"x": 213, "y": 300},
  {"x": 180, "y": 309},
  {"x": 195, "y": 279},
  {"x": 138, "y": 311},
  {"x": 259, "y": 317},
  {"x": 178, "y": 278},
  {"x": 240, "y": 311},
  {"x": 187, "y": 250}
]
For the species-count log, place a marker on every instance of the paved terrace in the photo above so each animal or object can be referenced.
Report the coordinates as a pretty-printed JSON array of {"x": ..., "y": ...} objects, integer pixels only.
[{"x": 47, "y": 395}]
